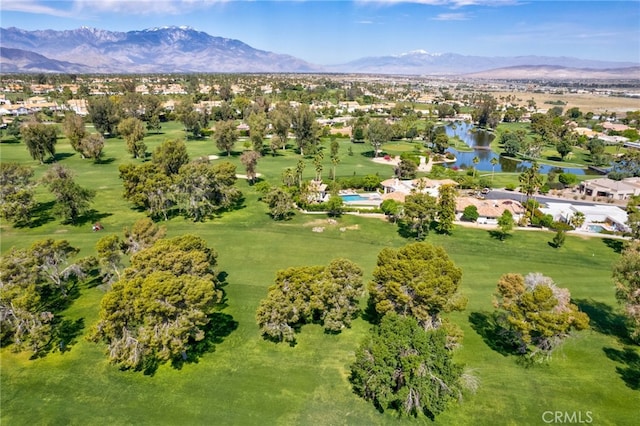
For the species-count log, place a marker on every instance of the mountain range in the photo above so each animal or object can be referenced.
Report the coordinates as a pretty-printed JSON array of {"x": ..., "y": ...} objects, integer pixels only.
[{"x": 186, "y": 50}]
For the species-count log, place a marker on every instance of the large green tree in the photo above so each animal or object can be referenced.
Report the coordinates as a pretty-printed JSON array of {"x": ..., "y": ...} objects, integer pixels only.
[
  {"x": 40, "y": 140},
  {"x": 133, "y": 132},
  {"x": 633, "y": 216},
  {"x": 159, "y": 310},
  {"x": 144, "y": 233},
  {"x": 538, "y": 314},
  {"x": 281, "y": 204},
  {"x": 16, "y": 193},
  {"x": 446, "y": 208},
  {"x": 403, "y": 367},
  {"x": 72, "y": 200},
  {"x": 34, "y": 285},
  {"x": 626, "y": 275},
  {"x": 530, "y": 182},
  {"x": 305, "y": 128},
  {"x": 280, "y": 118},
  {"x": 378, "y": 132},
  {"x": 91, "y": 146},
  {"x": 74, "y": 130},
  {"x": 417, "y": 280},
  {"x": 249, "y": 160},
  {"x": 201, "y": 189},
  {"x": 110, "y": 251},
  {"x": 170, "y": 156},
  {"x": 505, "y": 224},
  {"x": 104, "y": 114},
  {"x": 147, "y": 187},
  {"x": 257, "y": 129},
  {"x": 419, "y": 211},
  {"x": 193, "y": 120},
  {"x": 226, "y": 136},
  {"x": 324, "y": 294},
  {"x": 485, "y": 112}
]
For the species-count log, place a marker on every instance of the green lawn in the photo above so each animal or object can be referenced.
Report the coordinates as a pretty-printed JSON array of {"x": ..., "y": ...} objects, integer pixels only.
[{"x": 246, "y": 380}]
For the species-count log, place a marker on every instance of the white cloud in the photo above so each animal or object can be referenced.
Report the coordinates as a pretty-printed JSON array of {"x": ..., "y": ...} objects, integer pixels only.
[
  {"x": 145, "y": 7},
  {"x": 34, "y": 7},
  {"x": 454, "y": 4},
  {"x": 364, "y": 22},
  {"x": 452, "y": 17}
]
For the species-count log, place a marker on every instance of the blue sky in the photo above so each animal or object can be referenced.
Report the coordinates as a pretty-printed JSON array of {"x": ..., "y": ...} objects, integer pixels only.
[{"x": 331, "y": 32}]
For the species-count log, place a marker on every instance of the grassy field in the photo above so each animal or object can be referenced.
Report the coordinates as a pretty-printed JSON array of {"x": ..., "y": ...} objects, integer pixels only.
[{"x": 245, "y": 380}]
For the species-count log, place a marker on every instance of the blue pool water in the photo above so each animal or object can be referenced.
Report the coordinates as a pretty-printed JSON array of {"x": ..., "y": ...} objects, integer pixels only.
[
  {"x": 353, "y": 197},
  {"x": 595, "y": 228}
]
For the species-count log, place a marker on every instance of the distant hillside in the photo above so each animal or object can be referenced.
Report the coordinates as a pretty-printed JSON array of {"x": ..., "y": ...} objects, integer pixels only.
[
  {"x": 424, "y": 63},
  {"x": 184, "y": 50},
  {"x": 547, "y": 72},
  {"x": 17, "y": 60},
  {"x": 167, "y": 49}
]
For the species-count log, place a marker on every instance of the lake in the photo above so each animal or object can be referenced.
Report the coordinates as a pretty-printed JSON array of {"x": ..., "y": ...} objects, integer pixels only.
[{"x": 480, "y": 141}]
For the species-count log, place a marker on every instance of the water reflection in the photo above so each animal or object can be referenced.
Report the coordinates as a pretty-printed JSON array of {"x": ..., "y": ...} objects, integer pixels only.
[{"x": 480, "y": 140}]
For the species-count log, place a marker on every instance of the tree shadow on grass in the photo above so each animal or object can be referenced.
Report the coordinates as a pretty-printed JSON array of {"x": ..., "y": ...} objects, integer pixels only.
[
  {"x": 614, "y": 244},
  {"x": 220, "y": 326},
  {"x": 59, "y": 156},
  {"x": 630, "y": 371},
  {"x": 41, "y": 215},
  {"x": 499, "y": 235},
  {"x": 370, "y": 314},
  {"x": 604, "y": 319},
  {"x": 67, "y": 333},
  {"x": 487, "y": 325},
  {"x": 91, "y": 216},
  {"x": 64, "y": 334},
  {"x": 104, "y": 160}
]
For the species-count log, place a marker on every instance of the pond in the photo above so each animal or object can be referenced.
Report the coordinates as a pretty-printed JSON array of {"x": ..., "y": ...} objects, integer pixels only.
[{"x": 480, "y": 141}]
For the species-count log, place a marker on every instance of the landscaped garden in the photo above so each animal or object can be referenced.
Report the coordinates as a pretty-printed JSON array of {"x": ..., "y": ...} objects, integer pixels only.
[{"x": 243, "y": 379}]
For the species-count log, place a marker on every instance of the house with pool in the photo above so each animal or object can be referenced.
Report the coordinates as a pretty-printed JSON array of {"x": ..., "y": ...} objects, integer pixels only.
[
  {"x": 597, "y": 217},
  {"x": 403, "y": 188}
]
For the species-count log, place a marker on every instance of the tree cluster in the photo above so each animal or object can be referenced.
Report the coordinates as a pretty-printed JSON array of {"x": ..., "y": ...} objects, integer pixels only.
[
  {"x": 159, "y": 309},
  {"x": 72, "y": 200},
  {"x": 402, "y": 367},
  {"x": 16, "y": 193},
  {"x": 417, "y": 280},
  {"x": 35, "y": 285},
  {"x": 406, "y": 363},
  {"x": 111, "y": 249},
  {"x": 626, "y": 276},
  {"x": 40, "y": 140},
  {"x": 536, "y": 315},
  {"x": 196, "y": 189},
  {"x": 327, "y": 295}
]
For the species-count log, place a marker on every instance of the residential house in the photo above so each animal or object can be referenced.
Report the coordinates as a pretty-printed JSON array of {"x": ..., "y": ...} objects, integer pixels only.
[
  {"x": 406, "y": 187},
  {"x": 609, "y": 188},
  {"x": 79, "y": 106},
  {"x": 607, "y": 216},
  {"x": 489, "y": 211}
]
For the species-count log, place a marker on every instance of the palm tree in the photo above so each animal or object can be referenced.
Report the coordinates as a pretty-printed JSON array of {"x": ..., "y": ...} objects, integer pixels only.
[
  {"x": 577, "y": 220},
  {"x": 475, "y": 160},
  {"x": 493, "y": 162}
]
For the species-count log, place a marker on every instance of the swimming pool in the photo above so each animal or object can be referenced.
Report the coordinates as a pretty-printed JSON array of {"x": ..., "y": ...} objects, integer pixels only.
[
  {"x": 349, "y": 198},
  {"x": 595, "y": 228}
]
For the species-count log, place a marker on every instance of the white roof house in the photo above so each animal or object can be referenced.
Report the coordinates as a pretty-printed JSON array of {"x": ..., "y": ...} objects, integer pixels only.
[
  {"x": 613, "y": 216},
  {"x": 424, "y": 185}
]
